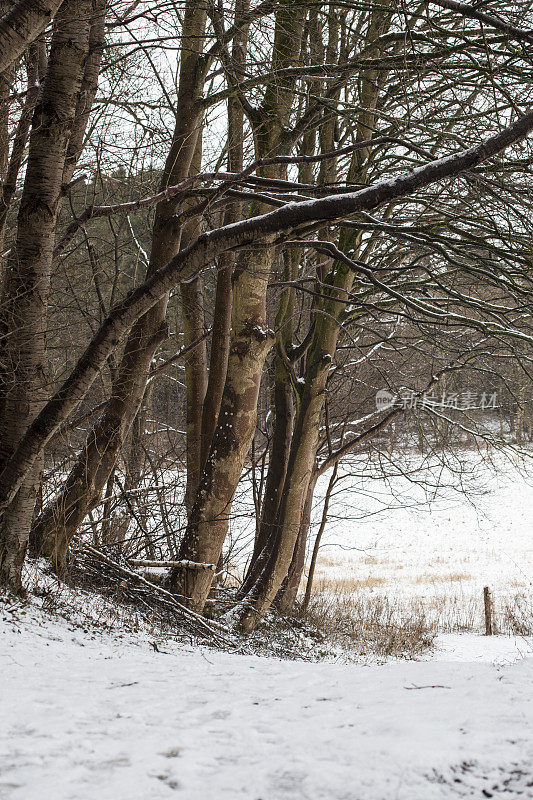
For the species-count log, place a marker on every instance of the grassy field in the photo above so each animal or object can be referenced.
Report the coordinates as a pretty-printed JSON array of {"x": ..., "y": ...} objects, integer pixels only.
[{"x": 426, "y": 554}]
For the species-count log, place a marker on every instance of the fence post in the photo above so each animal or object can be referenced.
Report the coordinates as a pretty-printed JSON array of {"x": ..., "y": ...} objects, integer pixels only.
[{"x": 489, "y": 625}]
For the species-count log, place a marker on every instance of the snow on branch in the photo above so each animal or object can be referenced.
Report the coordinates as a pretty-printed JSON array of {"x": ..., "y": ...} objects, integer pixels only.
[{"x": 192, "y": 260}]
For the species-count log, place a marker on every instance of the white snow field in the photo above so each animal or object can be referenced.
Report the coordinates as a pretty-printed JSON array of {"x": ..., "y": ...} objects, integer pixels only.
[
  {"x": 87, "y": 714},
  {"x": 433, "y": 549},
  {"x": 90, "y": 716}
]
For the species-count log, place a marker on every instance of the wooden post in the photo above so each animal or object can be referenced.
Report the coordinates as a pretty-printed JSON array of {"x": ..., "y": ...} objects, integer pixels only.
[{"x": 489, "y": 626}]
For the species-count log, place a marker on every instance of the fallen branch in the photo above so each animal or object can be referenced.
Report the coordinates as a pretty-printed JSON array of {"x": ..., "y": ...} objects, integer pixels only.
[
  {"x": 197, "y": 624},
  {"x": 143, "y": 562}
]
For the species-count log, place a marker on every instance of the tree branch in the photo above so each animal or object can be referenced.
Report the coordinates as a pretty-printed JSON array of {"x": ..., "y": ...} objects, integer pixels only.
[
  {"x": 191, "y": 260},
  {"x": 469, "y": 11}
]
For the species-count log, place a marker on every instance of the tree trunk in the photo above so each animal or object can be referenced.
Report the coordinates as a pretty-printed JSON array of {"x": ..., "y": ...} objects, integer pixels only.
[
  {"x": 283, "y": 412},
  {"x": 192, "y": 310},
  {"x": 318, "y": 539},
  {"x": 26, "y": 20},
  {"x": 218, "y": 360},
  {"x": 82, "y": 490},
  {"x": 289, "y": 590},
  {"x": 6, "y": 79},
  {"x": 222, "y": 315},
  {"x": 192, "y": 299},
  {"x": 250, "y": 343},
  {"x": 13, "y": 166},
  {"x": 23, "y": 382}
]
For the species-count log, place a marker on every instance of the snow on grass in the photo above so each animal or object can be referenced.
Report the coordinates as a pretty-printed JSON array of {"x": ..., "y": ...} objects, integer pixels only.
[
  {"x": 432, "y": 549},
  {"x": 90, "y": 711},
  {"x": 93, "y": 716}
]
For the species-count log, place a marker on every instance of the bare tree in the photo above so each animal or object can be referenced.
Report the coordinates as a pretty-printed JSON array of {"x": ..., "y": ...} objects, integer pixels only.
[
  {"x": 27, "y": 279},
  {"x": 333, "y": 256}
]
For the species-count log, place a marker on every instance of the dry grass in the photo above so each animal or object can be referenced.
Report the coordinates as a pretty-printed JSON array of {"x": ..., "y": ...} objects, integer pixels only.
[
  {"x": 350, "y": 583},
  {"x": 327, "y": 561},
  {"x": 340, "y": 600},
  {"x": 370, "y": 626},
  {"x": 517, "y": 615},
  {"x": 451, "y": 577},
  {"x": 346, "y": 584}
]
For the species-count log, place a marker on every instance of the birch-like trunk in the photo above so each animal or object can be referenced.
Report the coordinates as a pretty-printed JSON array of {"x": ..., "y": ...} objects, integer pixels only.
[
  {"x": 36, "y": 70},
  {"x": 22, "y": 24},
  {"x": 249, "y": 345},
  {"x": 82, "y": 490},
  {"x": 23, "y": 377}
]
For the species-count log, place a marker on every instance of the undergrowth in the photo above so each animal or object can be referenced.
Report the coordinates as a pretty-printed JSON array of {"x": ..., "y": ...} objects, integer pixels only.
[{"x": 343, "y": 625}]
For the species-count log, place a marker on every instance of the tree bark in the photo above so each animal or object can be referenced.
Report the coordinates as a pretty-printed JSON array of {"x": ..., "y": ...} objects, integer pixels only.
[
  {"x": 25, "y": 21},
  {"x": 82, "y": 490},
  {"x": 26, "y": 285}
]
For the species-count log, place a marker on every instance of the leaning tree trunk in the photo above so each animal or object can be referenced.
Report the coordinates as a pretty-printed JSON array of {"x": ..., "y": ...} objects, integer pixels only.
[
  {"x": 250, "y": 343},
  {"x": 23, "y": 23},
  {"x": 27, "y": 281},
  {"x": 321, "y": 353},
  {"x": 57, "y": 525}
]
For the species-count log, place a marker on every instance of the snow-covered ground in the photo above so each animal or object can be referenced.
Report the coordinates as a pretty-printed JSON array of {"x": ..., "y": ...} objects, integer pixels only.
[
  {"x": 436, "y": 548},
  {"x": 91, "y": 714},
  {"x": 95, "y": 716}
]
